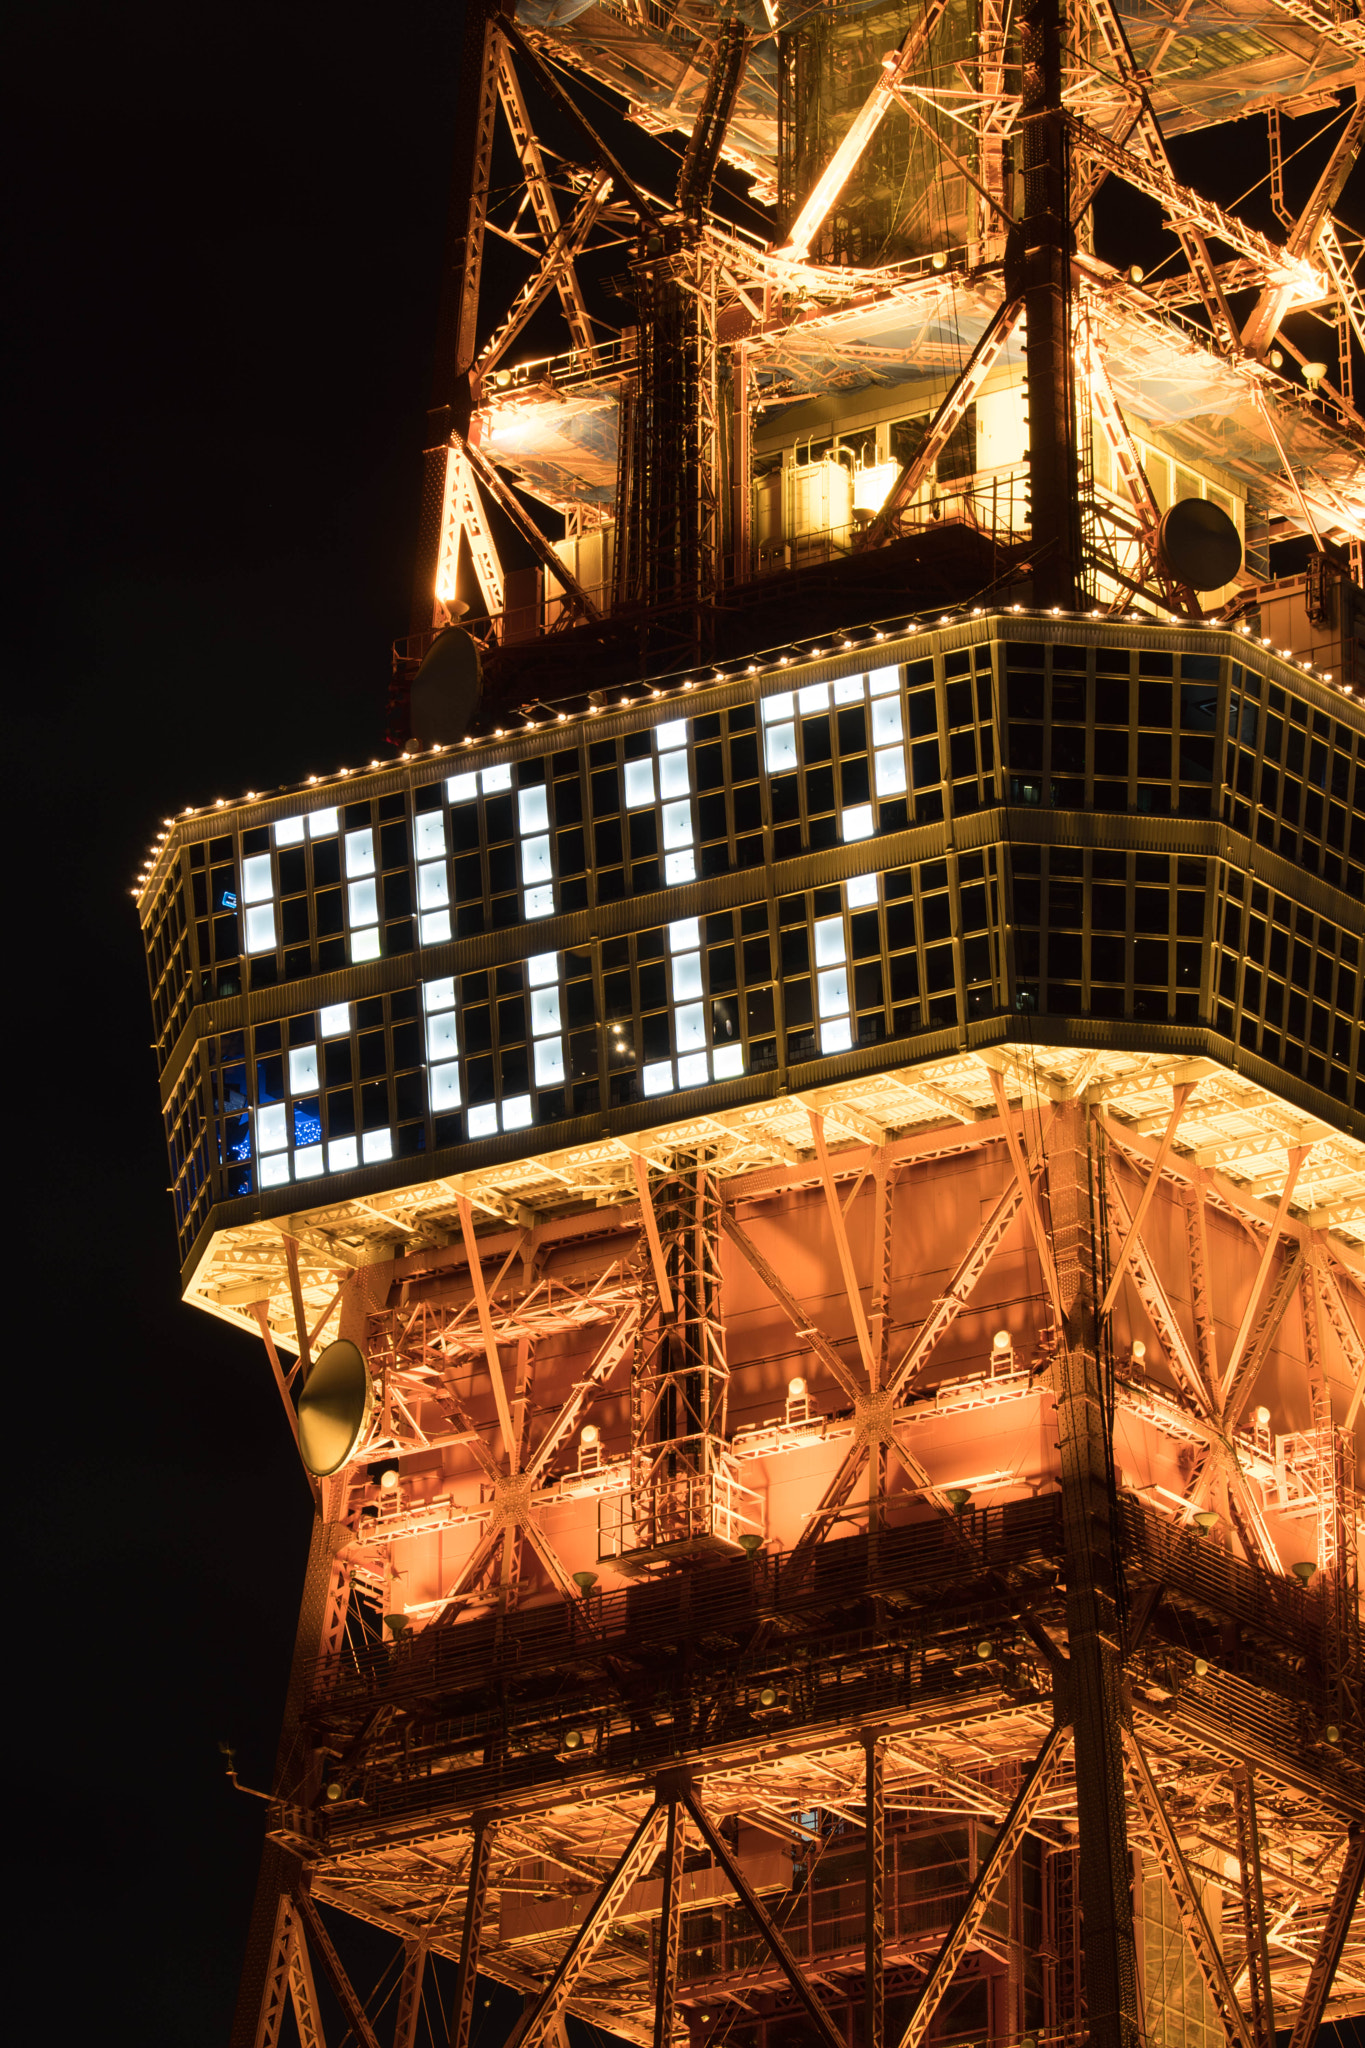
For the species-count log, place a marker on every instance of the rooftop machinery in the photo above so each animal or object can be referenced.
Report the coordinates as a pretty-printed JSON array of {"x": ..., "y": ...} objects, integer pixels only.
[{"x": 796, "y": 1152}]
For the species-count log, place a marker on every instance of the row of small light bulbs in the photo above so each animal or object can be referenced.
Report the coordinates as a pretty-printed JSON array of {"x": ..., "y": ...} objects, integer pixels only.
[{"x": 719, "y": 675}]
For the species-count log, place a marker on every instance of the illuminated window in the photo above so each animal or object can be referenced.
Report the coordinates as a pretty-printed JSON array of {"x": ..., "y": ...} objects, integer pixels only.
[
  {"x": 639, "y": 784},
  {"x": 272, "y": 1128},
  {"x": 363, "y": 903},
  {"x": 462, "y": 789},
  {"x": 692, "y": 1070},
  {"x": 433, "y": 890},
  {"x": 434, "y": 926},
  {"x": 829, "y": 941},
  {"x": 429, "y": 836},
  {"x": 360, "y": 853},
  {"x": 260, "y": 928},
  {"x": 890, "y": 771},
  {"x": 540, "y": 901},
  {"x": 533, "y": 814},
  {"x": 861, "y": 891},
  {"x": 258, "y": 882},
  {"x": 442, "y": 1036},
  {"x": 377, "y": 1145},
  {"x": 365, "y": 945},
  {"x": 335, "y": 1020},
  {"x": 341, "y": 1154},
  {"x": 483, "y": 1121},
  {"x": 322, "y": 824},
  {"x": 858, "y": 821},
  {"x": 274, "y": 1170},
  {"x": 815, "y": 697},
  {"x": 686, "y": 977},
  {"x": 728, "y": 1061},
  {"x": 289, "y": 831},
  {"x": 308, "y": 1163},
  {"x": 493, "y": 779},
  {"x": 779, "y": 748},
  {"x": 303, "y": 1069},
  {"x": 445, "y": 1086},
  {"x": 657, "y": 1078}
]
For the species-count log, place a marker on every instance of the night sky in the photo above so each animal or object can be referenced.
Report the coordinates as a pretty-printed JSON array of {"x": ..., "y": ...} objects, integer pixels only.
[{"x": 226, "y": 228}]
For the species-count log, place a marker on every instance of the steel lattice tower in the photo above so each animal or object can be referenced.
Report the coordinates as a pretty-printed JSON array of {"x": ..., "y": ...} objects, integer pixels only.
[{"x": 798, "y": 1162}]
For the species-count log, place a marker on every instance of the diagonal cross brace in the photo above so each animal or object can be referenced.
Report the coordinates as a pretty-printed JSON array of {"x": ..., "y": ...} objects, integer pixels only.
[
  {"x": 789, "y": 1305},
  {"x": 356, "y": 2017},
  {"x": 1171, "y": 1857},
  {"x": 1334, "y": 1933},
  {"x": 1012, "y": 1831},
  {"x": 781, "y": 1954}
]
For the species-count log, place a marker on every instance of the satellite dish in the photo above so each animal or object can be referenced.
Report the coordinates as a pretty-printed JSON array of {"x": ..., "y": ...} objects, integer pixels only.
[
  {"x": 445, "y": 689},
  {"x": 1199, "y": 545},
  {"x": 334, "y": 1408}
]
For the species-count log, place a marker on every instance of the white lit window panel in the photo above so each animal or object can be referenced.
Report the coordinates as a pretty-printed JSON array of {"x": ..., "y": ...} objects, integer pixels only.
[
  {"x": 516, "y": 1112},
  {"x": 689, "y": 1026},
  {"x": 289, "y": 831},
  {"x": 777, "y": 707},
  {"x": 260, "y": 928},
  {"x": 258, "y": 883},
  {"x": 433, "y": 890},
  {"x": 444, "y": 1082},
  {"x": 727, "y": 1061},
  {"x": 658, "y": 1077},
  {"x": 335, "y": 1020},
  {"x": 833, "y": 986},
  {"x": 890, "y": 769},
  {"x": 836, "y": 1035},
  {"x": 779, "y": 748},
  {"x": 686, "y": 976},
  {"x": 275, "y": 1170},
  {"x": 883, "y": 681},
  {"x": 542, "y": 967},
  {"x": 493, "y": 779},
  {"x": 272, "y": 1128},
  {"x": 308, "y": 1163},
  {"x": 678, "y": 824},
  {"x": 341, "y": 1153},
  {"x": 692, "y": 1070},
  {"x": 533, "y": 812},
  {"x": 829, "y": 941},
  {"x": 680, "y": 867},
  {"x": 483, "y": 1121},
  {"x": 639, "y": 784},
  {"x": 360, "y": 853},
  {"x": 549, "y": 1062},
  {"x": 540, "y": 901},
  {"x": 363, "y": 903},
  {"x": 322, "y": 824},
  {"x": 435, "y": 927},
  {"x": 535, "y": 860},
  {"x": 862, "y": 891},
  {"x": 429, "y": 836},
  {"x": 303, "y": 1069},
  {"x": 849, "y": 690},
  {"x": 376, "y": 1145},
  {"x": 439, "y": 995},
  {"x": 673, "y": 733},
  {"x": 886, "y": 721},
  {"x": 443, "y": 1038},
  {"x": 858, "y": 822},
  {"x": 365, "y": 945},
  {"x": 814, "y": 697},
  {"x": 683, "y": 934},
  {"x": 462, "y": 789},
  {"x": 674, "y": 776},
  {"x": 544, "y": 1011}
]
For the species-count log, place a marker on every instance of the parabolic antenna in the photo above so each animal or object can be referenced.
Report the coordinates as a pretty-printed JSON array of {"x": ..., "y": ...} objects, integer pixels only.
[
  {"x": 1199, "y": 544},
  {"x": 334, "y": 1408},
  {"x": 445, "y": 689}
]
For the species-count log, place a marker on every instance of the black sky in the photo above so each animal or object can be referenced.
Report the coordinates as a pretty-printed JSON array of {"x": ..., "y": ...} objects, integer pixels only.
[{"x": 225, "y": 237}]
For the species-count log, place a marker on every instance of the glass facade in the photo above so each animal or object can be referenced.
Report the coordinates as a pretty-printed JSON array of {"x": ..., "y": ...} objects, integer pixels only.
[{"x": 864, "y": 859}]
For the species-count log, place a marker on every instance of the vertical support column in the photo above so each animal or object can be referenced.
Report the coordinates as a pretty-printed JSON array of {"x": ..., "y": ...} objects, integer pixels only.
[
  {"x": 741, "y": 467},
  {"x": 670, "y": 1930},
  {"x": 1091, "y": 1602},
  {"x": 1253, "y": 1912},
  {"x": 475, "y": 1900},
  {"x": 1039, "y": 265},
  {"x": 874, "y": 1894},
  {"x": 452, "y": 397},
  {"x": 410, "y": 1994}
]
